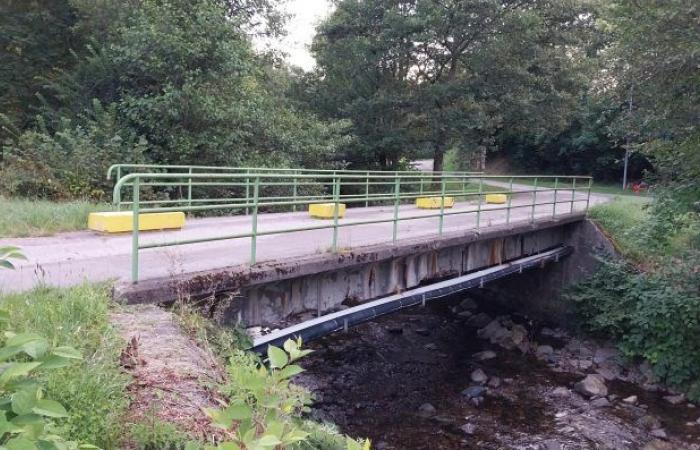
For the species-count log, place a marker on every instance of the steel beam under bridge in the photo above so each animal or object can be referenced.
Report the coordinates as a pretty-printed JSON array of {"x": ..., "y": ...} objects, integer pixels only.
[{"x": 321, "y": 326}]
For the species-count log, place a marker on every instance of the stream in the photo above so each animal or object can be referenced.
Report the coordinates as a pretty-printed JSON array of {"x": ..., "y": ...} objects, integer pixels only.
[{"x": 463, "y": 374}]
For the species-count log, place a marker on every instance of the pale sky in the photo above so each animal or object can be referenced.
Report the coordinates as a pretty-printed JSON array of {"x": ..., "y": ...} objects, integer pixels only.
[{"x": 301, "y": 27}]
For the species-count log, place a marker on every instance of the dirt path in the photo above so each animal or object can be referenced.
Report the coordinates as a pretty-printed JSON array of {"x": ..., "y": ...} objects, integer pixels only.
[{"x": 171, "y": 374}]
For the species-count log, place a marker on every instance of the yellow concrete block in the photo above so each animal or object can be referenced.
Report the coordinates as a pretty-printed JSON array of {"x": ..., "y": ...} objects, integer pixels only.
[
  {"x": 119, "y": 222},
  {"x": 434, "y": 202},
  {"x": 498, "y": 199},
  {"x": 326, "y": 210}
]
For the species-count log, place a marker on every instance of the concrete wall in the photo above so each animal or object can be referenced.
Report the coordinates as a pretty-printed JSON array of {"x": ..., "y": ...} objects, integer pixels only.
[{"x": 271, "y": 293}]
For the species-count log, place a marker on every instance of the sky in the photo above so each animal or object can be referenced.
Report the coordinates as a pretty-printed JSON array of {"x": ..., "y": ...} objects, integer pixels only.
[{"x": 305, "y": 15}]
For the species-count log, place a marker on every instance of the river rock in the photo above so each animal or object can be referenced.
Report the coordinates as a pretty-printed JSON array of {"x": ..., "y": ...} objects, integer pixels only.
[
  {"x": 494, "y": 332},
  {"x": 561, "y": 391},
  {"x": 675, "y": 399},
  {"x": 657, "y": 444},
  {"x": 468, "y": 428},
  {"x": 468, "y": 304},
  {"x": 659, "y": 433},
  {"x": 479, "y": 320},
  {"x": 494, "y": 382},
  {"x": 551, "y": 444},
  {"x": 592, "y": 385},
  {"x": 422, "y": 331},
  {"x": 544, "y": 351},
  {"x": 426, "y": 410},
  {"x": 518, "y": 334},
  {"x": 601, "y": 402},
  {"x": 609, "y": 371},
  {"x": 632, "y": 399},
  {"x": 485, "y": 355},
  {"x": 649, "y": 422},
  {"x": 606, "y": 354},
  {"x": 474, "y": 391},
  {"x": 580, "y": 364},
  {"x": 479, "y": 376}
]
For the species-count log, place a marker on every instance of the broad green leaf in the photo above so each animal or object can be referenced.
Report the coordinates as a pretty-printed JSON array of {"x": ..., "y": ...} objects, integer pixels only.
[
  {"x": 67, "y": 352},
  {"x": 55, "y": 362},
  {"x": 269, "y": 440},
  {"x": 228, "y": 446},
  {"x": 14, "y": 370},
  {"x": 49, "y": 408},
  {"x": 20, "y": 443},
  {"x": 290, "y": 371},
  {"x": 239, "y": 412},
  {"x": 278, "y": 358},
  {"x": 24, "y": 401}
]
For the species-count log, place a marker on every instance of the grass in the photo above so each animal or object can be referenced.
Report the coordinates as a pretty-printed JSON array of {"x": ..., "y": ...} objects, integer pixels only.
[
  {"x": 94, "y": 391},
  {"x": 25, "y": 218},
  {"x": 598, "y": 187},
  {"x": 622, "y": 219}
]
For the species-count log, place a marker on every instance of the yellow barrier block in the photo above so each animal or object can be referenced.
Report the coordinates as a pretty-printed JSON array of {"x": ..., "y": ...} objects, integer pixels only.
[
  {"x": 119, "y": 222},
  {"x": 434, "y": 202},
  {"x": 498, "y": 199},
  {"x": 326, "y": 210}
]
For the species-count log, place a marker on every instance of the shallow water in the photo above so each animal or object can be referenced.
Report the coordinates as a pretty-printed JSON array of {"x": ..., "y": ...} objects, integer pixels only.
[{"x": 372, "y": 380}]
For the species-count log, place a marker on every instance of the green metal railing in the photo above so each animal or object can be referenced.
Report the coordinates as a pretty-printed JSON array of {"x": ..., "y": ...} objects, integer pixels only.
[{"x": 255, "y": 193}]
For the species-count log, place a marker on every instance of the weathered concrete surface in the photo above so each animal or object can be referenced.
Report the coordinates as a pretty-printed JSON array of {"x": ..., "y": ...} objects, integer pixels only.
[
  {"x": 71, "y": 258},
  {"x": 268, "y": 293}
]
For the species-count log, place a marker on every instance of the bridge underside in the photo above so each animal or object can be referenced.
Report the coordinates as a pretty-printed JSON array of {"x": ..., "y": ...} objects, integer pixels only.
[{"x": 270, "y": 293}]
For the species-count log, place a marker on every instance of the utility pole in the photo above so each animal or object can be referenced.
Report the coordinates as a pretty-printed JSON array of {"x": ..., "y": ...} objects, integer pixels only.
[{"x": 627, "y": 145}]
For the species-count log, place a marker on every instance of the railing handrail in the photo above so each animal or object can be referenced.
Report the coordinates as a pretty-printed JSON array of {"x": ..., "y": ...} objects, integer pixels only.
[
  {"x": 114, "y": 167},
  {"x": 393, "y": 187}
]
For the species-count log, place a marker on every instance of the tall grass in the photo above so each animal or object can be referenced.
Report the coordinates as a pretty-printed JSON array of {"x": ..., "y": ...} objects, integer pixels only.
[
  {"x": 625, "y": 219},
  {"x": 93, "y": 391},
  {"x": 23, "y": 218}
]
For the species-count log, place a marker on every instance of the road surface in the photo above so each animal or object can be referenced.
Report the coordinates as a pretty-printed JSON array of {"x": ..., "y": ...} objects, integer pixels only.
[{"x": 70, "y": 258}]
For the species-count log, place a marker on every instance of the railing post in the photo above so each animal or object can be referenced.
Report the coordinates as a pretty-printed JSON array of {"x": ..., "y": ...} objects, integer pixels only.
[
  {"x": 510, "y": 201},
  {"x": 442, "y": 204},
  {"x": 534, "y": 201},
  {"x": 294, "y": 191},
  {"x": 254, "y": 234},
  {"x": 336, "y": 201},
  {"x": 247, "y": 191},
  {"x": 421, "y": 184},
  {"x": 554, "y": 206},
  {"x": 135, "y": 231},
  {"x": 189, "y": 189},
  {"x": 588, "y": 197},
  {"x": 367, "y": 190},
  {"x": 119, "y": 195},
  {"x": 573, "y": 194},
  {"x": 397, "y": 199},
  {"x": 478, "y": 208}
]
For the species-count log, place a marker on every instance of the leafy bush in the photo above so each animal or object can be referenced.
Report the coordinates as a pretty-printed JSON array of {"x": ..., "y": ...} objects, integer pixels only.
[{"x": 654, "y": 315}]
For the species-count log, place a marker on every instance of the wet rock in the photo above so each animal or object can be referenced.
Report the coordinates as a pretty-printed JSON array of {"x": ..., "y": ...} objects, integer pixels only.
[
  {"x": 592, "y": 385},
  {"x": 468, "y": 428},
  {"x": 601, "y": 402},
  {"x": 603, "y": 355},
  {"x": 494, "y": 383},
  {"x": 474, "y": 392},
  {"x": 580, "y": 364},
  {"x": 477, "y": 401},
  {"x": 561, "y": 391},
  {"x": 658, "y": 433},
  {"x": 494, "y": 332},
  {"x": 657, "y": 444},
  {"x": 609, "y": 373},
  {"x": 468, "y": 304},
  {"x": 479, "y": 376},
  {"x": 544, "y": 351},
  {"x": 649, "y": 422},
  {"x": 422, "y": 331},
  {"x": 465, "y": 314},
  {"x": 518, "y": 334},
  {"x": 430, "y": 346},
  {"x": 632, "y": 399},
  {"x": 484, "y": 356},
  {"x": 647, "y": 373},
  {"x": 395, "y": 329},
  {"x": 579, "y": 348},
  {"x": 551, "y": 444},
  {"x": 426, "y": 410},
  {"x": 479, "y": 320},
  {"x": 675, "y": 399}
]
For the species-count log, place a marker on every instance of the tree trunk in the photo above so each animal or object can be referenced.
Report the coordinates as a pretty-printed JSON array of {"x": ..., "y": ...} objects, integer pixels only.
[{"x": 438, "y": 157}]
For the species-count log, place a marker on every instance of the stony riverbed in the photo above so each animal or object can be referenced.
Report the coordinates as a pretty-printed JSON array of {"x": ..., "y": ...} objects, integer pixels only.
[{"x": 461, "y": 374}]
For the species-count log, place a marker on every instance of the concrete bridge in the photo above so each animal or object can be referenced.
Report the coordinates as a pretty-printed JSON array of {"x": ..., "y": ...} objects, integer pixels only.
[{"x": 273, "y": 263}]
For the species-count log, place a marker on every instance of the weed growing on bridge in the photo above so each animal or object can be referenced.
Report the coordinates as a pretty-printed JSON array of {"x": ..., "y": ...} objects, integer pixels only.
[{"x": 22, "y": 218}]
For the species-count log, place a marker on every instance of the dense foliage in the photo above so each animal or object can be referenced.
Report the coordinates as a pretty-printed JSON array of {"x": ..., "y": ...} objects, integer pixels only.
[{"x": 165, "y": 82}]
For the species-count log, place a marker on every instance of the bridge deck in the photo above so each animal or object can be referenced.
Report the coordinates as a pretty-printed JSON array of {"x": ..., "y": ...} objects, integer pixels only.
[{"x": 71, "y": 258}]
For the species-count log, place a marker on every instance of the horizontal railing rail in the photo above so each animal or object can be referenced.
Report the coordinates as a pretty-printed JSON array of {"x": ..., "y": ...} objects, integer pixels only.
[{"x": 254, "y": 193}]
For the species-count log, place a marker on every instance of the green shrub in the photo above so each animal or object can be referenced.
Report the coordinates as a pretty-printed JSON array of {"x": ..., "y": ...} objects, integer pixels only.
[
  {"x": 654, "y": 315},
  {"x": 155, "y": 434}
]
